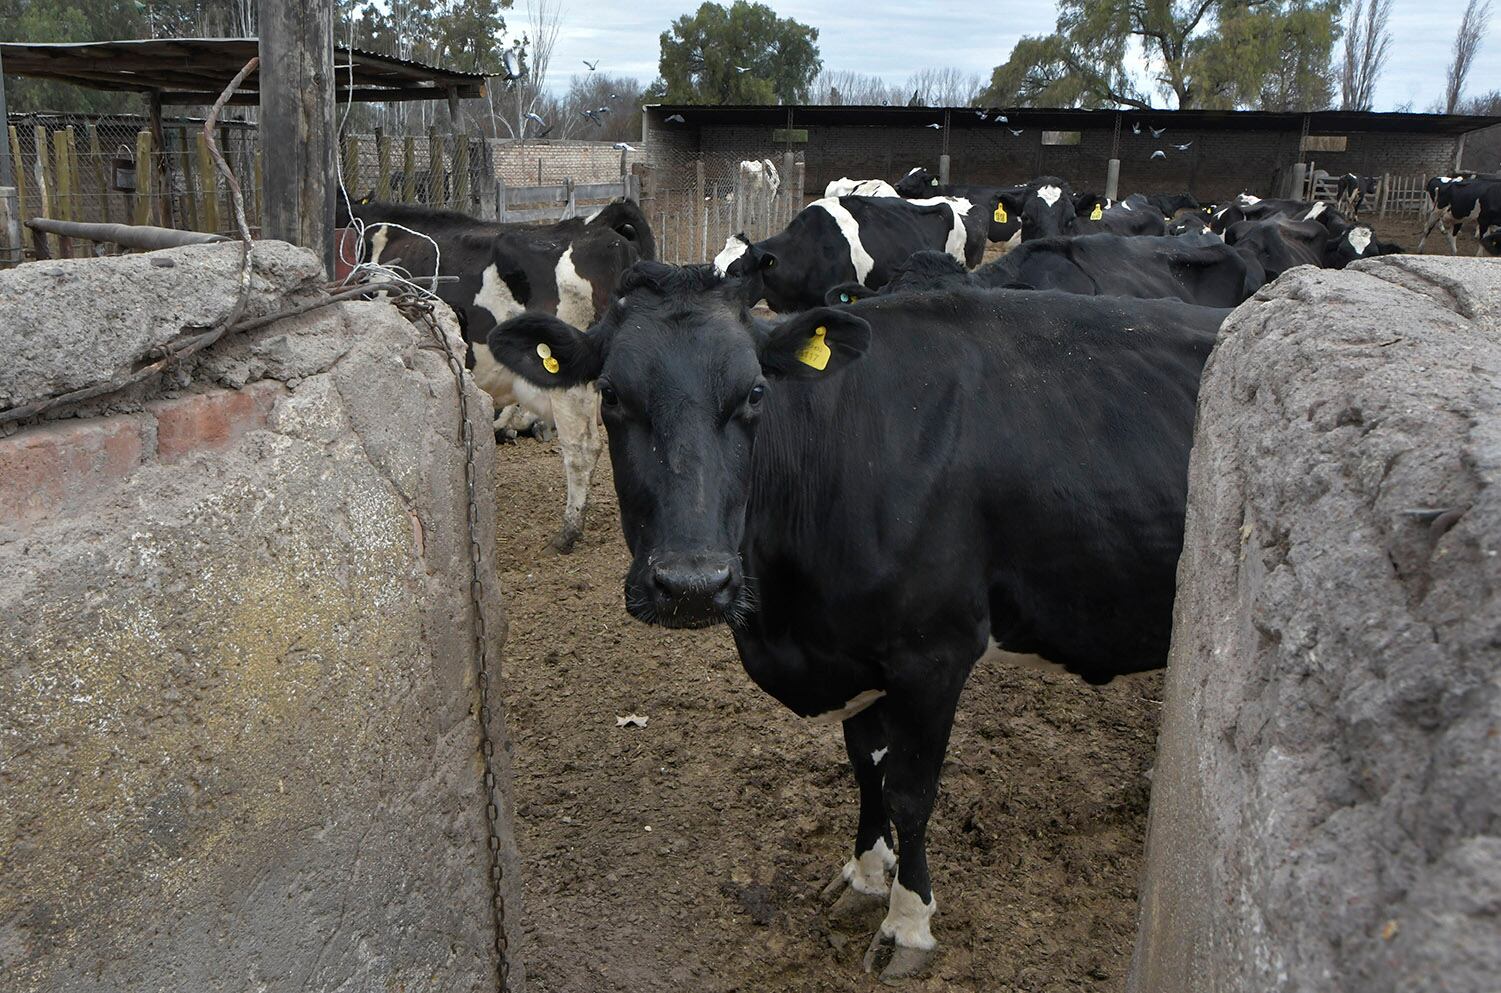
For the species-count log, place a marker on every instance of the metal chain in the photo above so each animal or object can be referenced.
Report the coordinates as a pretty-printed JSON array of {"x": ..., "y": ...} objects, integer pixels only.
[{"x": 481, "y": 649}]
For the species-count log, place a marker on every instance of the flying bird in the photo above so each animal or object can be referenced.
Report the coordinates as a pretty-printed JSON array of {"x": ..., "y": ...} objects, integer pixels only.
[
  {"x": 593, "y": 117},
  {"x": 1001, "y": 119},
  {"x": 1136, "y": 127},
  {"x": 624, "y": 147},
  {"x": 676, "y": 119},
  {"x": 1159, "y": 154},
  {"x": 981, "y": 114},
  {"x": 1016, "y": 131},
  {"x": 601, "y": 110},
  {"x": 1158, "y": 132},
  {"x": 591, "y": 65},
  {"x": 742, "y": 68},
  {"x": 511, "y": 62},
  {"x": 1183, "y": 147},
  {"x": 935, "y": 127},
  {"x": 536, "y": 119}
]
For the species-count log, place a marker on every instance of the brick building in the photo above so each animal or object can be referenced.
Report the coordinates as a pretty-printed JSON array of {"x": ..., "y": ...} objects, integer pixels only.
[{"x": 1228, "y": 151}]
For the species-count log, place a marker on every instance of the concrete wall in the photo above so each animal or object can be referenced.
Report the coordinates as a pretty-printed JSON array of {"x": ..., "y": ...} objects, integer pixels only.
[
  {"x": 238, "y": 747},
  {"x": 1325, "y": 813}
]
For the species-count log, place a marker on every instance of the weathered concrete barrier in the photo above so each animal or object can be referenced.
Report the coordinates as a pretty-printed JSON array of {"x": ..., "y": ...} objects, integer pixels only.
[
  {"x": 238, "y": 742},
  {"x": 1325, "y": 811}
]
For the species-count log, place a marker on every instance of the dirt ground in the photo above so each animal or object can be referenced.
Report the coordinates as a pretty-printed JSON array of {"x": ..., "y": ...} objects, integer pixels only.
[{"x": 688, "y": 855}]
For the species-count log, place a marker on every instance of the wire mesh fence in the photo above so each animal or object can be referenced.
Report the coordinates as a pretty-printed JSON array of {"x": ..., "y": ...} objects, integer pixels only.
[{"x": 695, "y": 204}]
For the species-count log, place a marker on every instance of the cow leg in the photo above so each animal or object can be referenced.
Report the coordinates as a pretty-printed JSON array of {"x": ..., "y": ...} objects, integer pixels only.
[
  {"x": 860, "y": 889},
  {"x": 1433, "y": 222},
  {"x": 576, "y": 412},
  {"x": 918, "y": 729}
]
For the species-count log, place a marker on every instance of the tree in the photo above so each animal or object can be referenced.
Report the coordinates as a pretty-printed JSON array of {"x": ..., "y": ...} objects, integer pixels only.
[
  {"x": 1198, "y": 53},
  {"x": 1466, "y": 45},
  {"x": 944, "y": 87},
  {"x": 743, "y": 54},
  {"x": 1367, "y": 41},
  {"x": 858, "y": 89}
]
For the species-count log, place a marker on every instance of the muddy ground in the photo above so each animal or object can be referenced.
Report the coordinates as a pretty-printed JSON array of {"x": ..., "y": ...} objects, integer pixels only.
[{"x": 688, "y": 855}]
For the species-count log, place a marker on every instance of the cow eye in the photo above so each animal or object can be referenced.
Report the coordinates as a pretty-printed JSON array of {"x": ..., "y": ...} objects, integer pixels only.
[
  {"x": 608, "y": 396},
  {"x": 757, "y": 392}
]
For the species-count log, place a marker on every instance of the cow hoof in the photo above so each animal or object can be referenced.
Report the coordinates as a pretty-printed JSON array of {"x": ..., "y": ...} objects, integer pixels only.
[
  {"x": 907, "y": 963},
  {"x": 852, "y": 905},
  {"x": 543, "y": 431},
  {"x": 565, "y": 540}
]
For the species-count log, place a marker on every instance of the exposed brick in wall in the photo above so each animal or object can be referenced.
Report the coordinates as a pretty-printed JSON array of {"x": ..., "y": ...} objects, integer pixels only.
[
  {"x": 1217, "y": 165},
  {"x": 56, "y": 466},
  {"x": 581, "y": 161}
]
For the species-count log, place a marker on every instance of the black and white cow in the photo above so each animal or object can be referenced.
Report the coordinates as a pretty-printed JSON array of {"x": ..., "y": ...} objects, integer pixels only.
[
  {"x": 1460, "y": 202},
  {"x": 1133, "y": 216},
  {"x": 1250, "y": 208},
  {"x": 856, "y": 239},
  {"x": 1189, "y": 222},
  {"x": 1352, "y": 191},
  {"x": 846, "y": 187},
  {"x": 920, "y": 183},
  {"x": 567, "y": 269},
  {"x": 1279, "y": 243},
  {"x": 1201, "y": 270},
  {"x": 1045, "y": 206},
  {"x": 868, "y": 495}
]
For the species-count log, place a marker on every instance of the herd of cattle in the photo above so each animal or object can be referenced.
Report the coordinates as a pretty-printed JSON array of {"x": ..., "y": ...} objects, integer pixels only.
[{"x": 918, "y": 456}]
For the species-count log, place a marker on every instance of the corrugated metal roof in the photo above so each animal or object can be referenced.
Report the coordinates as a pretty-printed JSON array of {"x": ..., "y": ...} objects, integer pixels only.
[
  {"x": 1319, "y": 122},
  {"x": 179, "y": 67}
]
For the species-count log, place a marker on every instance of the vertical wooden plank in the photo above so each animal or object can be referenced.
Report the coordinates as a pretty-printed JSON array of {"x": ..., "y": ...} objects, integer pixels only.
[
  {"x": 101, "y": 173},
  {"x": 61, "y": 188},
  {"x": 18, "y": 173},
  {"x": 260, "y": 183},
  {"x": 143, "y": 177},
  {"x": 297, "y": 122},
  {"x": 461, "y": 173},
  {"x": 45, "y": 187},
  {"x": 75, "y": 184},
  {"x": 437, "y": 188},
  {"x": 166, "y": 216},
  {"x": 408, "y": 169},
  {"x": 209, "y": 180},
  {"x": 382, "y": 165},
  {"x": 189, "y": 180}
]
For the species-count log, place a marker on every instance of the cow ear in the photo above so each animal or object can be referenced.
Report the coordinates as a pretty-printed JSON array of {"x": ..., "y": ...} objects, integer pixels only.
[
  {"x": 814, "y": 344},
  {"x": 546, "y": 352},
  {"x": 847, "y": 293}
]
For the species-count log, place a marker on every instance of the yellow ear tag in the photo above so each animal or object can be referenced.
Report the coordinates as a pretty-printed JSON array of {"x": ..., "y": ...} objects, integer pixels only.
[
  {"x": 1000, "y": 213},
  {"x": 1097, "y": 213},
  {"x": 815, "y": 352},
  {"x": 550, "y": 364}
]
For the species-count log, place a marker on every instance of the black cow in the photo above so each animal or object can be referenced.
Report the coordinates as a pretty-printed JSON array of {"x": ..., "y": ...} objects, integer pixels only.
[
  {"x": 1462, "y": 201},
  {"x": 1132, "y": 216},
  {"x": 1045, "y": 206},
  {"x": 1171, "y": 204},
  {"x": 1280, "y": 243},
  {"x": 920, "y": 183},
  {"x": 1352, "y": 190},
  {"x": 1202, "y": 270},
  {"x": 856, "y": 239},
  {"x": 568, "y": 269},
  {"x": 1189, "y": 222},
  {"x": 868, "y": 495},
  {"x": 1249, "y": 208}
]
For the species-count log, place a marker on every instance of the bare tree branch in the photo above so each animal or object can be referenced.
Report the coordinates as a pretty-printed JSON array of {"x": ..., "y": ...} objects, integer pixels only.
[
  {"x": 1467, "y": 40},
  {"x": 1367, "y": 44}
]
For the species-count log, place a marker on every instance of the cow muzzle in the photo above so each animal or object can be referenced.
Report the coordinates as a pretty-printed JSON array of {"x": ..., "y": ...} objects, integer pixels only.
[{"x": 686, "y": 591}]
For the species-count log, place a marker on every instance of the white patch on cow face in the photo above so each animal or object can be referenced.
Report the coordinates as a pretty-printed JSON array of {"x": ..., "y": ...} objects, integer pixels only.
[
  {"x": 867, "y": 872},
  {"x": 575, "y": 295},
  {"x": 1318, "y": 209},
  {"x": 1247, "y": 198},
  {"x": 1122, "y": 205},
  {"x": 850, "y": 709},
  {"x": 908, "y": 919},
  {"x": 958, "y": 207},
  {"x": 1049, "y": 194},
  {"x": 877, "y": 755},
  {"x": 378, "y": 241},
  {"x": 593, "y": 215},
  {"x": 913, "y": 171},
  {"x": 495, "y": 296},
  {"x": 850, "y": 228},
  {"x": 733, "y": 249},
  {"x": 1360, "y": 239}
]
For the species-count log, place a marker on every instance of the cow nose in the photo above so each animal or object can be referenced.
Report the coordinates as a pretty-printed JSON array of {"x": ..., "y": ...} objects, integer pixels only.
[{"x": 677, "y": 581}]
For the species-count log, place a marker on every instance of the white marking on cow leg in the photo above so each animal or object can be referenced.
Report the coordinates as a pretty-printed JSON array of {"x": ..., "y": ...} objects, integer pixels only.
[
  {"x": 850, "y": 709},
  {"x": 908, "y": 919},
  {"x": 378, "y": 242},
  {"x": 576, "y": 413},
  {"x": 734, "y": 247},
  {"x": 877, "y": 755},
  {"x": 1049, "y": 194},
  {"x": 866, "y": 873},
  {"x": 850, "y": 228}
]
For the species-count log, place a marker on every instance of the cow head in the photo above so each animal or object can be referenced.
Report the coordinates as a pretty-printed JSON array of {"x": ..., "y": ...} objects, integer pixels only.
[
  {"x": 626, "y": 219},
  {"x": 918, "y": 183},
  {"x": 685, "y": 376},
  {"x": 1355, "y": 242},
  {"x": 1045, "y": 207}
]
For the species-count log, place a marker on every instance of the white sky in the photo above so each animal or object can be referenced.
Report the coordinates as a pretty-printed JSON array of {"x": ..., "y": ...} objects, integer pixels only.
[{"x": 892, "y": 39}]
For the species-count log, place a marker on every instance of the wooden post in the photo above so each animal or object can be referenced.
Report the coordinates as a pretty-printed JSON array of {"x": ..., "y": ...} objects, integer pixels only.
[
  {"x": 100, "y": 171},
  {"x": 143, "y": 177},
  {"x": 207, "y": 177},
  {"x": 297, "y": 123},
  {"x": 437, "y": 188},
  {"x": 349, "y": 167},
  {"x": 10, "y": 225},
  {"x": 45, "y": 188},
  {"x": 455, "y": 121},
  {"x": 19, "y": 174},
  {"x": 500, "y": 200},
  {"x": 382, "y": 165},
  {"x": 461, "y": 173},
  {"x": 408, "y": 169},
  {"x": 159, "y": 151},
  {"x": 189, "y": 182},
  {"x": 62, "y": 194},
  {"x": 699, "y": 198}
]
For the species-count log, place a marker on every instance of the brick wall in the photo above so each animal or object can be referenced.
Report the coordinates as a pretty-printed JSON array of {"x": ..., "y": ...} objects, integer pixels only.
[{"x": 582, "y": 161}]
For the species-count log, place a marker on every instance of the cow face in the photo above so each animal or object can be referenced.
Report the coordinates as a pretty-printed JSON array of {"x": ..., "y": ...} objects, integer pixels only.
[
  {"x": 1045, "y": 207},
  {"x": 918, "y": 183},
  {"x": 685, "y": 376}
]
